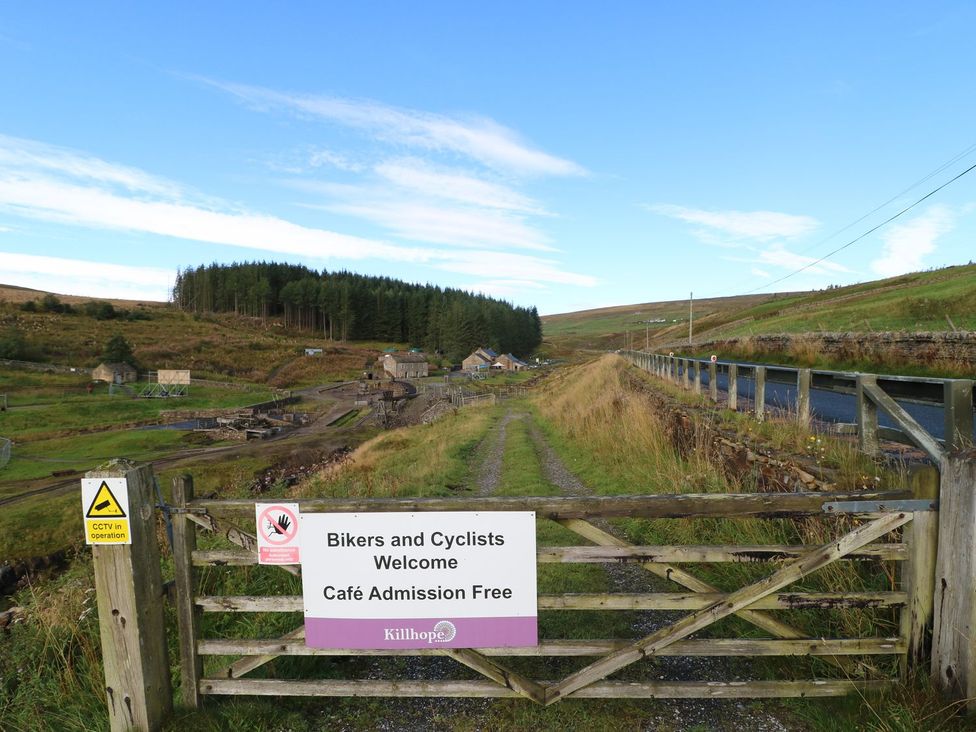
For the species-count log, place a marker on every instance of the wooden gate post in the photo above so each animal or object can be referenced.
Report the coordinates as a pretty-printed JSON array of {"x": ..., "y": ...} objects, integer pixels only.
[
  {"x": 129, "y": 588},
  {"x": 918, "y": 571},
  {"x": 760, "y": 393},
  {"x": 733, "y": 386},
  {"x": 954, "y": 630},
  {"x": 713, "y": 381},
  {"x": 187, "y": 613},
  {"x": 803, "y": 396}
]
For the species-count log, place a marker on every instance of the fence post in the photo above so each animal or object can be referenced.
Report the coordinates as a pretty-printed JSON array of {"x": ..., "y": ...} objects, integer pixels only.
[
  {"x": 953, "y": 646},
  {"x": 803, "y": 396},
  {"x": 733, "y": 386},
  {"x": 688, "y": 378},
  {"x": 760, "y": 395},
  {"x": 867, "y": 417},
  {"x": 918, "y": 569},
  {"x": 187, "y": 614},
  {"x": 958, "y": 410},
  {"x": 129, "y": 588},
  {"x": 697, "y": 367},
  {"x": 713, "y": 381}
]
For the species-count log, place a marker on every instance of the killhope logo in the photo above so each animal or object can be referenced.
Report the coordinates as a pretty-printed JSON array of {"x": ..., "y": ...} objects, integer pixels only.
[{"x": 443, "y": 632}]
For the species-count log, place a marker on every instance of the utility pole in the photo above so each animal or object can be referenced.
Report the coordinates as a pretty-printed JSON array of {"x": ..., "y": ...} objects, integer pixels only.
[
  {"x": 691, "y": 300},
  {"x": 647, "y": 337}
]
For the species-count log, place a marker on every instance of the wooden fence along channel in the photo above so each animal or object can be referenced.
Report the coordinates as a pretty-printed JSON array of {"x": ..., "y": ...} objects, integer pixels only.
[{"x": 873, "y": 538}]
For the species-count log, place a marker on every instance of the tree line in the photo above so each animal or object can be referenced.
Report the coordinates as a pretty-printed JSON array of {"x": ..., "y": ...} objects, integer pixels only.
[{"x": 346, "y": 306}]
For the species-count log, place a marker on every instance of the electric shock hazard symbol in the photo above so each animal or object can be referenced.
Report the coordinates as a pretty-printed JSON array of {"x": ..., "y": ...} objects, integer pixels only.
[
  {"x": 277, "y": 532},
  {"x": 105, "y": 502}
]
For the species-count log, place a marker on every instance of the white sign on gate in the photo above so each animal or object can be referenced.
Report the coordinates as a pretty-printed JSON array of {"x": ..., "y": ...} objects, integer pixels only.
[
  {"x": 417, "y": 580},
  {"x": 278, "y": 528}
]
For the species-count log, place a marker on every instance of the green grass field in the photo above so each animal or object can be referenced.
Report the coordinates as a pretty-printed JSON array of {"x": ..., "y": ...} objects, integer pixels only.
[{"x": 939, "y": 300}]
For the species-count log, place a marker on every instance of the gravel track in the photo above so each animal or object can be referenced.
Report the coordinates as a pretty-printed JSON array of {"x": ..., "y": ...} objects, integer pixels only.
[{"x": 668, "y": 714}]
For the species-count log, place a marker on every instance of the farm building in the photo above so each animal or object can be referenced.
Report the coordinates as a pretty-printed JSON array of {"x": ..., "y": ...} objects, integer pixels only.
[
  {"x": 482, "y": 358},
  {"x": 114, "y": 373},
  {"x": 508, "y": 362},
  {"x": 403, "y": 365}
]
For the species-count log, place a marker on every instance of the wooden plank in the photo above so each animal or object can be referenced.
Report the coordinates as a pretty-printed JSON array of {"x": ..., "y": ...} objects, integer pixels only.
[
  {"x": 595, "y": 554},
  {"x": 488, "y": 689},
  {"x": 867, "y": 416},
  {"x": 246, "y": 665},
  {"x": 957, "y": 410},
  {"x": 601, "y": 601},
  {"x": 759, "y": 398},
  {"x": 679, "y": 576},
  {"x": 501, "y": 675},
  {"x": 738, "y": 600},
  {"x": 803, "y": 397},
  {"x": 129, "y": 586},
  {"x": 733, "y": 386},
  {"x": 954, "y": 630},
  {"x": 728, "y": 689},
  {"x": 906, "y": 422},
  {"x": 690, "y": 505},
  {"x": 187, "y": 614},
  {"x": 570, "y": 648},
  {"x": 710, "y": 554},
  {"x": 234, "y": 535},
  {"x": 918, "y": 574}
]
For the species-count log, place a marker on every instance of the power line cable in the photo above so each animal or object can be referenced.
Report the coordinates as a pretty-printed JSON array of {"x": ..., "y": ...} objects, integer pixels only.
[
  {"x": 956, "y": 158},
  {"x": 866, "y": 233}
]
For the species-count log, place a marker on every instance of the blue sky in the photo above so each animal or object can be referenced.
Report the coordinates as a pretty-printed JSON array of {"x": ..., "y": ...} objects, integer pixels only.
[{"x": 563, "y": 155}]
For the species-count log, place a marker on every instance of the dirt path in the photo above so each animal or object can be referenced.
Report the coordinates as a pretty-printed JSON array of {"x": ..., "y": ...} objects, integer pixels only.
[{"x": 676, "y": 714}]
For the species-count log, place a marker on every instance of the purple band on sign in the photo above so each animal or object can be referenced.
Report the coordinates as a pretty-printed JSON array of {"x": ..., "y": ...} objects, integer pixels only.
[{"x": 421, "y": 632}]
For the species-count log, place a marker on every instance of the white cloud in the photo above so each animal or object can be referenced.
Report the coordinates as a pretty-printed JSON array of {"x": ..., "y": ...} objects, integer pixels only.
[
  {"x": 83, "y": 277},
  {"x": 455, "y": 226},
  {"x": 759, "y": 272},
  {"x": 506, "y": 265},
  {"x": 906, "y": 245},
  {"x": 506, "y": 289},
  {"x": 320, "y": 157},
  {"x": 74, "y": 189},
  {"x": 756, "y": 225},
  {"x": 420, "y": 177},
  {"x": 18, "y": 153},
  {"x": 478, "y": 138},
  {"x": 780, "y": 257}
]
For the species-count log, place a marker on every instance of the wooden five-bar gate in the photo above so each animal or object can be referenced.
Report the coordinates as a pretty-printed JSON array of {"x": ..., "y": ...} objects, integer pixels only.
[{"x": 895, "y": 527}]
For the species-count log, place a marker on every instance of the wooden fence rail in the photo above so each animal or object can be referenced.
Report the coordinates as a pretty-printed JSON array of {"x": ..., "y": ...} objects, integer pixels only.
[{"x": 754, "y": 603}]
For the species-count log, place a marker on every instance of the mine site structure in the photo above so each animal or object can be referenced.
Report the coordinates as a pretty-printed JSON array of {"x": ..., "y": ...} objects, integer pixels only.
[{"x": 166, "y": 383}]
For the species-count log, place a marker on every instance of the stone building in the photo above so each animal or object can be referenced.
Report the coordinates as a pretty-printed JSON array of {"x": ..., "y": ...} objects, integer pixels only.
[
  {"x": 482, "y": 358},
  {"x": 403, "y": 365}
]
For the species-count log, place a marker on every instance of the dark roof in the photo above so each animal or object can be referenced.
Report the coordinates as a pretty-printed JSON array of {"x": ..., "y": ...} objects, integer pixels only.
[{"x": 515, "y": 359}]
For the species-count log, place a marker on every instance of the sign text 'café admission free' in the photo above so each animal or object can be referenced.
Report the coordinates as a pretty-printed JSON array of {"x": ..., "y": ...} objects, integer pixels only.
[{"x": 413, "y": 580}]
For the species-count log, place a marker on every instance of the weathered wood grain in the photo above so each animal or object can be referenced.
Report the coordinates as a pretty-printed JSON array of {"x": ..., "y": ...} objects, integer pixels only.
[
  {"x": 738, "y": 600},
  {"x": 129, "y": 586},
  {"x": 563, "y": 648},
  {"x": 187, "y": 614}
]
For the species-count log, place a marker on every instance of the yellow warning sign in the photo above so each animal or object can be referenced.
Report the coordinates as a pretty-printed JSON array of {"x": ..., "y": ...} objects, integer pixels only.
[
  {"x": 107, "y": 531},
  {"x": 104, "y": 504},
  {"x": 105, "y": 509}
]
